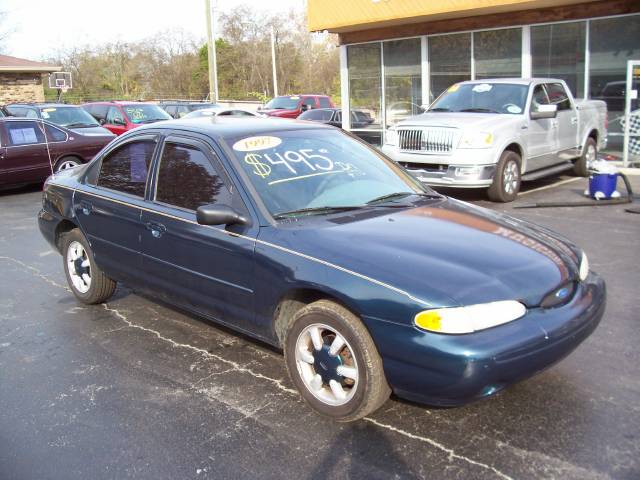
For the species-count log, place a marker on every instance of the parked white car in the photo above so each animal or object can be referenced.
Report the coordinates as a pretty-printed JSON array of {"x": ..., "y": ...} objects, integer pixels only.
[
  {"x": 497, "y": 133},
  {"x": 224, "y": 111}
]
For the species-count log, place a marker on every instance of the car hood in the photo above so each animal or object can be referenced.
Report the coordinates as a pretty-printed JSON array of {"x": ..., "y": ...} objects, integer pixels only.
[
  {"x": 96, "y": 131},
  {"x": 276, "y": 112},
  {"x": 469, "y": 120},
  {"x": 445, "y": 252}
]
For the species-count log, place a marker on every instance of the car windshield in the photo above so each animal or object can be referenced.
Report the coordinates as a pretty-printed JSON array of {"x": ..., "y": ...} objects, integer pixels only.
[
  {"x": 69, "y": 117},
  {"x": 304, "y": 171},
  {"x": 283, "y": 103},
  {"x": 145, "y": 113},
  {"x": 482, "y": 98}
]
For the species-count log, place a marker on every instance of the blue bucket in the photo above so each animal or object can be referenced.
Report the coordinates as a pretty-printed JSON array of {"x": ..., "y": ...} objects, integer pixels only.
[{"x": 604, "y": 183}]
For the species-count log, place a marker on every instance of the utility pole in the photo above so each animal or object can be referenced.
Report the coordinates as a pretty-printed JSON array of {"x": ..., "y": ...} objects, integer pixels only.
[
  {"x": 211, "y": 53},
  {"x": 273, "y": 62}
]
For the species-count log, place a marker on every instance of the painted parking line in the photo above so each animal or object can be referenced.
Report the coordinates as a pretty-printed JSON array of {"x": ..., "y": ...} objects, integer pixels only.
[{"x": 546, "y": 187}]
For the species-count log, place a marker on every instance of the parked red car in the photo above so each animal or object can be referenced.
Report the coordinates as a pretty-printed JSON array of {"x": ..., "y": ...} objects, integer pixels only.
[
  {"x": 119, "y": 117},
  {"x": 290, "y": 106},
  {"x": 29, "y": 149}
]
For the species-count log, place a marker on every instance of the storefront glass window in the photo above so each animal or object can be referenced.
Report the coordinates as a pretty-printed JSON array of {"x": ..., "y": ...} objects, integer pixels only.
[
  {"x": 498, "y": 53},
  {"x": 612, "y": 41},
  {"x": 558, "y": 51},
  {"x": 402, "y": 80},
  {"x": 449, "y": 60},
  {"x": 365, "y": 91}
]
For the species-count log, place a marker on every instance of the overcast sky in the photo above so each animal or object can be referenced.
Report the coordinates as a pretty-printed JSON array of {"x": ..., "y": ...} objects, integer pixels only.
[{"x": 42, "y": 27}]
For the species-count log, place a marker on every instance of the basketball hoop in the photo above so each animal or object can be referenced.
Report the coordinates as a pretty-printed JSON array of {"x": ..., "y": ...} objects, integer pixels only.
[{"x": 60, "y": 81}]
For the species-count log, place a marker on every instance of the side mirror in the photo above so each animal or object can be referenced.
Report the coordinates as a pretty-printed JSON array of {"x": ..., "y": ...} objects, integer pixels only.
[
  {"x": 119, "y": 121},
  {"x": 544, "y": 111},
  {"x": 101, "y": 121},
  {"x": 304, "y": 107},
  {"x": 218, "y": 215}
]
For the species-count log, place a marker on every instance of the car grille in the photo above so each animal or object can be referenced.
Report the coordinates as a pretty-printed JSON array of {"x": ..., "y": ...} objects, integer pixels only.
[{"x": 427, "y": 140}]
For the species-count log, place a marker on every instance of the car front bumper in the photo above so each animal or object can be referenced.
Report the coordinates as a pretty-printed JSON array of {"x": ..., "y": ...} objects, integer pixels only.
[
  {"x": 451, "y": 370},
  {"x": 463, "y": 168}
]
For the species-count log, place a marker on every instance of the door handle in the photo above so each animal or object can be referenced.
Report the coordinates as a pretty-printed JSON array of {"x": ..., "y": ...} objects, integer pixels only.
[
  {"x": 86, "y": 207},
  {"x": 156, "y": 229}
]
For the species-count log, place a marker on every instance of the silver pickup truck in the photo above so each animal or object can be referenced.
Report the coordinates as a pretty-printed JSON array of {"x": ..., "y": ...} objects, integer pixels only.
[{"x": 497, "y": 133}]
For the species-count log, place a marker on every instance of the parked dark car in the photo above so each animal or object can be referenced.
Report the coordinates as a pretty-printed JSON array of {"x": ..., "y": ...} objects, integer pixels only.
[
  {"x": 180, "y": 109},
  {"x": 30, "y": 149},
  {"x": 308, "y": 239},
  {"x": 121, "y": 116},
  {"x": 333, "y": 116},
  {"x": 67, "y": 116},
  {"x": 291, "y": 106}
]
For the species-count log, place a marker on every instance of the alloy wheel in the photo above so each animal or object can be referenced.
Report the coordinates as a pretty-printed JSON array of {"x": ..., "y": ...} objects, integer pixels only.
[{"x": 79, "y": 267}]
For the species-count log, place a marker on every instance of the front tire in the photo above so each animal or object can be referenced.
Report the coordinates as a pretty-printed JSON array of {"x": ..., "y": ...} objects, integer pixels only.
[
  {"x": 87, "y": 282},
  {"x": 332, "y": 360},
  {"x": 506, "y": 180},
  {"x": 585, "y": 162},
  {"x": 66, "y": 163}
]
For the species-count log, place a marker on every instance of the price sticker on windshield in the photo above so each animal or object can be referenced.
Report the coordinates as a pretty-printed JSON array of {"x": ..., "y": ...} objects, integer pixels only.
[{"x": 252, "y": 144}]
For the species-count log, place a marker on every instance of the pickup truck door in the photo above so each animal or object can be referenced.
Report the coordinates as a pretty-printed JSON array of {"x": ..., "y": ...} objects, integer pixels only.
[
  {"x": 541, "y": 137},
  {"x": 566, "y": 121}
]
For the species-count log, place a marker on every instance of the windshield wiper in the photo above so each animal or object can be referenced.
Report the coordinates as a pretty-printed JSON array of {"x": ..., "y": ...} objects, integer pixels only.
[
  {"x": 394, "y": 195},
  {"x": 319, "y": 210},
  {"x": 479, "y": 110},
  {"x": 439, "y": 109},
  {"x": 80, "y": 124}
]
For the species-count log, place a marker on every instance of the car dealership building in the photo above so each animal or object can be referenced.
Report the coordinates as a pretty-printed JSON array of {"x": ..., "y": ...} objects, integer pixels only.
[{"x": 398, "y": 55}]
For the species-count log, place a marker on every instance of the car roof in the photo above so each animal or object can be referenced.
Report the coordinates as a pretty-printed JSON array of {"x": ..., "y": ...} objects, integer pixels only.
[
  {"x": 40, "y": 105},
  {"x": 119, "y": 102},
  {"x": 303, "y": 95},
  {"x": 513, "y": 80},
  {"x": 228, "y": 127}
]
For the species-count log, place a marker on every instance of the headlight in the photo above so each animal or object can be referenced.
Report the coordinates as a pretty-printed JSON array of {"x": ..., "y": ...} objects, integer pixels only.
[
  {"x": 584, "y": 267},
  {"x": 470, "y": 318},
  {"x": 476, "y": 140},
  {"x": 391, "y": 137}
]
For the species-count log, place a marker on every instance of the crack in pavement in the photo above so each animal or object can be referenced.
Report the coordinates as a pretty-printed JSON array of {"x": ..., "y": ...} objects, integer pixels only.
[{"x": 278, "y": 383}]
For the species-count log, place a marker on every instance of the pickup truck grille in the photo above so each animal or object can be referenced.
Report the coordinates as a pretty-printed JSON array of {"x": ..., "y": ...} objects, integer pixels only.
[{"x": 427, "y": 140}]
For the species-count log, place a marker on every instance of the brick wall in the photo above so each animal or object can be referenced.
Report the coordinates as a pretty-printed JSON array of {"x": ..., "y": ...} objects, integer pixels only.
[{"x": 21, "y": 87}]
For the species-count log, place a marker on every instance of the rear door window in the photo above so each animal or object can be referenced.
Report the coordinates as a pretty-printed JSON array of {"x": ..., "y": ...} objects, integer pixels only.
[
  {"x": 24, "y": 133},
  {"x": 187, "y": 179},
  {"x": 126, "y": 168},
  {"x": 324, "y": 102}
]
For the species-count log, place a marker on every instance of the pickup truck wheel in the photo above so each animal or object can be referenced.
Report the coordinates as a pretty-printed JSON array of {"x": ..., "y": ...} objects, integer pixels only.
[
  {"x": 334, "y": 363},
  {"x": 585, "y": 162},
  {"x": 87, "y": 282},
  {"x": 506, "y": 180}
]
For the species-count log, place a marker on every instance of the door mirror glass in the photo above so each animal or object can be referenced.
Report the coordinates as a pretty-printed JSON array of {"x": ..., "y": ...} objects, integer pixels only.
[
  {"x": 218, "y": 215},
  {"x": 118, "y": 121},
  {"x": 304, "y": 107},
  {"x": 543, "y": 111}
]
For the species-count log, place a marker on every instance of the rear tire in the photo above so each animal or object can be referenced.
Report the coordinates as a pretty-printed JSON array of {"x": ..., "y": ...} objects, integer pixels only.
[
  {"x": 506, "y": 180},
  {"x": 87, "y": 282},
  {"x": 324, "y": 377},
  {"x": 585, "y": 162}
]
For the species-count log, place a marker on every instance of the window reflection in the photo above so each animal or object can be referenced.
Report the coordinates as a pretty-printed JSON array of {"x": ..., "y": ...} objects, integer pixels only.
[
  {"x": 402, "y": 80},
  {"x": 126, "y": 169},
  {"x": 365, "y": 90},
  {"x": 450, "y": 60},
  {"x": 557, "y": 51},
  {"x": 498, "y": 53}
]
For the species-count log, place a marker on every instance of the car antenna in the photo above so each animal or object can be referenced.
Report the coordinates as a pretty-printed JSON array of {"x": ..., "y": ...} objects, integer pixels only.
[{"x": 46, "y": 142}]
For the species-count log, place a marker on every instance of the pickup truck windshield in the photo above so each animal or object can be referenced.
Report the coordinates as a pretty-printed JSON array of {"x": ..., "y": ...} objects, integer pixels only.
[
  {"x": 482, "y": 98},
  {"x": 301, "y": 171},
  {"x": 283, "y": 103}
]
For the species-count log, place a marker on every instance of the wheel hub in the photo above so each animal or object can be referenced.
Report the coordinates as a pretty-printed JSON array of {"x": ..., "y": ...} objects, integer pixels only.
[
  {"x": 77, "y": 265},
  {"x": 326, "y": 365}
]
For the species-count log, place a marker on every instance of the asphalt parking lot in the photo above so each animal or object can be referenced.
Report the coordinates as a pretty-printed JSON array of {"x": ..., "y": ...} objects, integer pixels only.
[{"x": 137, "y": 389}]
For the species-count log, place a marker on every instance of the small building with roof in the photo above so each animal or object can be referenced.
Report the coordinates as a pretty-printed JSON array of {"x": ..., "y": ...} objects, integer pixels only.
[{"x": 21, "y": 79}]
